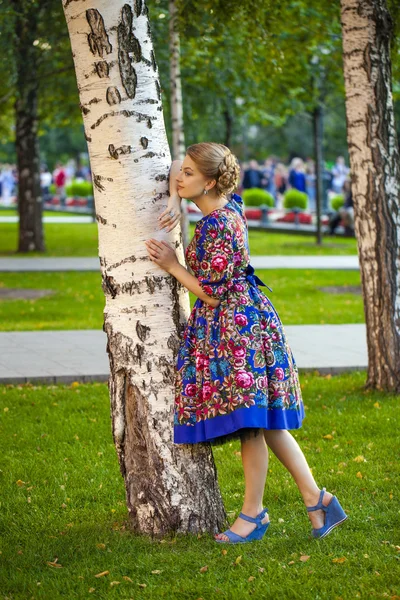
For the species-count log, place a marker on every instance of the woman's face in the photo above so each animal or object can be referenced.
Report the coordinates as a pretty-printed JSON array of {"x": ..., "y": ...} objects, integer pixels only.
[{"x": 191, "y": 182}]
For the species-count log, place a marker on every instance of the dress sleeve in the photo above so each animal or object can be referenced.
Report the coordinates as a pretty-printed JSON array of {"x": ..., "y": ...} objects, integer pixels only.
[{"x": 215, "y": 256}]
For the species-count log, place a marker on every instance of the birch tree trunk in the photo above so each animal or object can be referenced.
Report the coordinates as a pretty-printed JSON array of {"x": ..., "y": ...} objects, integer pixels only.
[
  {"x": 178, "y": 134},
  {"x": 169, "y": 488},
  {"x": 375, "y": 167},
  {"x": 30, "y": 237}
]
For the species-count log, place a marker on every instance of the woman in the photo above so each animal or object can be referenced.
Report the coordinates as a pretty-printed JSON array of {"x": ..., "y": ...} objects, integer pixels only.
[
  {"x": 236, "y": 376},
  {"x": 297, "y": 178}
]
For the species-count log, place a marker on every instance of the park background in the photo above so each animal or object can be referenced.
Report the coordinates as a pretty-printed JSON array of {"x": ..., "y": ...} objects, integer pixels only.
[{"x": 64, "y": 518}]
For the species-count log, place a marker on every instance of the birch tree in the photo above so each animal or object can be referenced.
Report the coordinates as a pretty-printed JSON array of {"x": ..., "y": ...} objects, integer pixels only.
[
  {"x": 168, "y": 487},
  {"x": 375, "y": 167},
  {"x": 178, "y": 135}
]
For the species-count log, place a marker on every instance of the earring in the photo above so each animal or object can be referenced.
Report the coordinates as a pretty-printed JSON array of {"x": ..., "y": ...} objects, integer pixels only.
[{"x": 205, "y": 192}]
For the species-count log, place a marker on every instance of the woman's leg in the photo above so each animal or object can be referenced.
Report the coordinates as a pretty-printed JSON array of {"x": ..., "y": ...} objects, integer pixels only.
[
  {"x": 287, "y": 450},
  {"x": 255, "y": 466}
]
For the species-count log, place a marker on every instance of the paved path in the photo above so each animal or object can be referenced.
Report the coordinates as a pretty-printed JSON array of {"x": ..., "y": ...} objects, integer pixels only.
[
  {"x": 66, "y": 356},
  {"x": 258, "y": 262}
]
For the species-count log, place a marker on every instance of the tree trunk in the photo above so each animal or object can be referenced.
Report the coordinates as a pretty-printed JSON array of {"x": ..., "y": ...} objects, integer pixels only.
[
  {"x": 26, "y": 140},
  {"x": 228, "y": 127},
  {"x": 318, "y": 135},
  {"x": 178, "y": 134},
  {"x": 375, "y": 167},
  {"x": 169, "y": 488}
]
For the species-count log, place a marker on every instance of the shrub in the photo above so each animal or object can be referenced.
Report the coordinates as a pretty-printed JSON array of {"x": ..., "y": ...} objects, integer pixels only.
[
  {"x": 337, "y": 202},
  {"x": 79, "y": 189},
  {"x": 295, "y": 199},
  {"x": 52, "y": 188},
  {"x": 257, "y": 196}
]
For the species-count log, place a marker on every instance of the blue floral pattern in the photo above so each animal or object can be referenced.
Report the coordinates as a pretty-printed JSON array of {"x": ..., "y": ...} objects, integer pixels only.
[{"x": 235, "y": 369}]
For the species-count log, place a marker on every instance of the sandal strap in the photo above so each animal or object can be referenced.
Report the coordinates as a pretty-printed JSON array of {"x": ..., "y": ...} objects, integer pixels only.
[
  {"x": 256, "y": 519},
  {"x": 319, "y": 505}
]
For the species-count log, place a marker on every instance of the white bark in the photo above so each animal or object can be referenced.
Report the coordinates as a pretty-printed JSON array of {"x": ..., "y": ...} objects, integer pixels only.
[
  {"x": 169, "y": 487},
  {"x": 375, "y": 166}
]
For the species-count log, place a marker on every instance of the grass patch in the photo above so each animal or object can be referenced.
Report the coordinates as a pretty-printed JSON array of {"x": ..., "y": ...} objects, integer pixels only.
[
  {"x": 81, "y": 240},
  {"x": 78, "y": 301},
  {"x": 63, "y": 499}
]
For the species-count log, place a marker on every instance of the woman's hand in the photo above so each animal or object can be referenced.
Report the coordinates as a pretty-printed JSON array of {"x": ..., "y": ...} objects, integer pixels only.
[
  {"x": 162, "y": 254},
  {"x": 171, "y": 216}
]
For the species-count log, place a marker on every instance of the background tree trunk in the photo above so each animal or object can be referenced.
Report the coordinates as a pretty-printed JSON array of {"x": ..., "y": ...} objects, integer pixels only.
[
  {"x": 375, "y": 167},
  {"x": 178, "y": 133},
  {"x": 26, "y": 140},
  {"x": 168, "y": 487}
]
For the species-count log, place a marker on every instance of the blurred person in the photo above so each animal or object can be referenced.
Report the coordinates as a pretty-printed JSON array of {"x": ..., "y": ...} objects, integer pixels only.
[
  {"x": 7, "y": 185},
  {"x": 45, "y": 182},
  {"x": 60, "y": 179},
  {"x": 340, "y": 173},
  {"x": 280, "y": 180},
  {"x": 311, "y": 185},
  {"x": 252, "y": 176},
  {"x": 345, "y": 214},
  {"x": 267, "y": 176},
  {"x": 297, "y": 178}
]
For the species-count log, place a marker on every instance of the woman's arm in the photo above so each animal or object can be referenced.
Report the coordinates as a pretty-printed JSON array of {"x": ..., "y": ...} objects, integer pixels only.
[
  {"x": 173, "y": 172},
  {"x": 190, "y": 282}
]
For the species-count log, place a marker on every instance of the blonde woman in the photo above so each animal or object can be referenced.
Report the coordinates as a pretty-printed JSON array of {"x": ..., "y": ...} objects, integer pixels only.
[{"x": 235, "y": 375}]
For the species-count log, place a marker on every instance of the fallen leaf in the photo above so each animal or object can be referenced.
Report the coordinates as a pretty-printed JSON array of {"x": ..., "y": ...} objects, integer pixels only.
[
  {"x": 204, "y": 569},
  {"x": 100, "y": 546},
  {"x": 339, "y": 560},
  {"x": 239, "y": 558},
  {"x": 54, "y": 564},
  {"x": 377, "y": 405},
  {"x": 6, "y": 409},
  {"x": 224, "y": 552},
  {"x": 102, "y": 574},
  {"x": 126, "y": 578},
  {"x": 359, "y": 475},
  {"x": 261, "y": 569},
  {"x": 281, "y": 521},
  {"x": 156, "y": 572},
  {"x": 20, "y": 483},
  {"x": 359, "y": 459},
  {"x": 251, "y": 578},
  {"x": 291, "y": 562},
  {"x": 115, "y": 582},
  {"x": 143, "y": 585},
  {"x": 328, "y": 437},
  {"x": 304, "y": 558},
  {"x": 91, "y": 590}
]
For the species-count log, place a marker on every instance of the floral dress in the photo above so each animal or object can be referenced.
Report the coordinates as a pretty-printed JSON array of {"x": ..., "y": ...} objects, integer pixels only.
[{"x": 235, "y": 371}]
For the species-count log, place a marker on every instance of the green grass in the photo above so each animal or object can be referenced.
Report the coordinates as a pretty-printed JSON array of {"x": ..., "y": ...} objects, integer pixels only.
[
  {"x": 81, "y": 240},
  {"x": 78, "y": 301},
  {"x": 9, "y": 212},
  {"x": 63, "y": 500}
]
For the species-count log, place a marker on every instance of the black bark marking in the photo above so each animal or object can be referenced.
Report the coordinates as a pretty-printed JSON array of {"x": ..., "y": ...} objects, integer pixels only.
[
  {"x": 116, "y": 152},
  {"x": 102, "y": 69},
  {"x": 149, "y": 123},
  {"x": 158, "y": 89},
  {"x": 124, "y": 113},
  {"x": 101, "y": 220},
  {"x": 113, "y": 96},
  {"x": 84, "y": 110},
  {"x": 138, "y": 5},
  {"x": 88, "y": 138},
  {"x": 142, "y": 331},
  {"x": 144, "y": 141},
  {"x": 97, "y": 182},
  {"x": 153, "y": 60},
  {"x": 131, "y": 259},
  {"x": 161, "y": 177},
  {"x": 98, "y": 39},
  {"x": 128, "y": 49},
  {"x": 94, "y": 101},
  {"x": 110, "y": 287}
]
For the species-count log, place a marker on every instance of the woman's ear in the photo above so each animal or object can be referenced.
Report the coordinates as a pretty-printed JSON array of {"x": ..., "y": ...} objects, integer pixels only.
[{"x": 212, "y": 183}]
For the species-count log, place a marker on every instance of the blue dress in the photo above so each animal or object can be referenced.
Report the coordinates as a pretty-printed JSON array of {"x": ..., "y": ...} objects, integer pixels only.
[{"x": 235, "y": 371}]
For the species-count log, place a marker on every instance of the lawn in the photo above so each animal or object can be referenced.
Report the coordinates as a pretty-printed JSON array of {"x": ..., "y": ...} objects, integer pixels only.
[
  {"x": 64, "y": 516},
  {"x": 66, "y": 239},
  {"x": 78, "y": 300}
]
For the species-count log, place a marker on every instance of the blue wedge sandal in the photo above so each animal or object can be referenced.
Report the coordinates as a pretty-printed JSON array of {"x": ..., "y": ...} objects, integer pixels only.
[
  {"x": 256, "y": 534},
  {"x": 334, "y": 515}
]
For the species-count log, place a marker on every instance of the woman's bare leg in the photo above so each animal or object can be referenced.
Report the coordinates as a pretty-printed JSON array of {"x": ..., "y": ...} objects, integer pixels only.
[
  {"x": 287, "y": 450},
  {"x": 255, "y": 467}
]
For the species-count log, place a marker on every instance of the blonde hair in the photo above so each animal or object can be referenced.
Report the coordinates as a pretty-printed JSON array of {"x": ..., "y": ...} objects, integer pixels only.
[{"x": 216, "y": 161}]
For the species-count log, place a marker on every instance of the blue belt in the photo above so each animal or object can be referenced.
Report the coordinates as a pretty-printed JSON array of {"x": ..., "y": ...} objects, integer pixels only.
[{"x": 253, "y": 279}]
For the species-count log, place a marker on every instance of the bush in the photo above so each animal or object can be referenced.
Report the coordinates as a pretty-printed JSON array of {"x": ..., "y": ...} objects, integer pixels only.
[
  {"x": 52, "y": 188},
  {"x": 79, "y": 189},
  {"x": 337, "y": 202},
  {"x": 257, "y": 196},
  {"x": 295, "y": 199}
]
